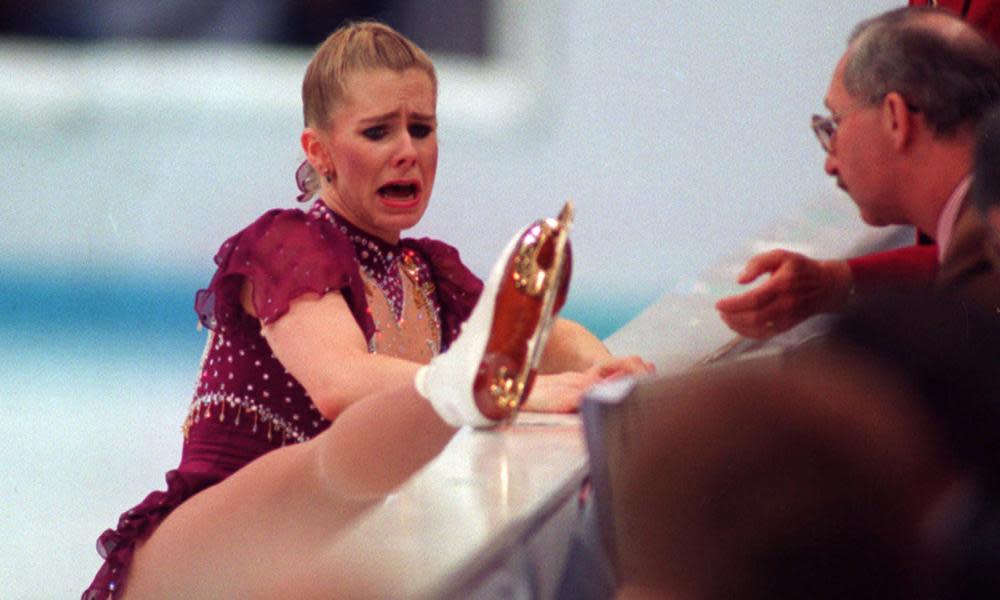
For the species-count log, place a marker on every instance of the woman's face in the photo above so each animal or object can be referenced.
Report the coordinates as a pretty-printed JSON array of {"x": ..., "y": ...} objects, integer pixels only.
[{"x": 382, "y": 151}]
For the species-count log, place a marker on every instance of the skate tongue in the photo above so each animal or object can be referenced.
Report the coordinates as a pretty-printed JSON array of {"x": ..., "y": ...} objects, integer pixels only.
[
  {"x": 566, "y": 215},
  {"x": 558, "y": 268}
]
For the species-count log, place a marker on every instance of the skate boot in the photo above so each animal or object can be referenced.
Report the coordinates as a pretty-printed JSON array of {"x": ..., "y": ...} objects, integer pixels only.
[{"x": 487, "y": 373}]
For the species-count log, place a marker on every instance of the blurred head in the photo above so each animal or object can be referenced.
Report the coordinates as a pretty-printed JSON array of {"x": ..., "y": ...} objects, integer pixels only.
[
  {"x": 370, "y": 106},
  {"x": 911, "y": 79},
  {"x": 765, "y": 482},
  {"x": 848, "y": 469},
  {"x": 949, "y": 352}
]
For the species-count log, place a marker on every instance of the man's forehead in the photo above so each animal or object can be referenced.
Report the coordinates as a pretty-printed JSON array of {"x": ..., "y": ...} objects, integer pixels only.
[{"x": 835, "y": 91}]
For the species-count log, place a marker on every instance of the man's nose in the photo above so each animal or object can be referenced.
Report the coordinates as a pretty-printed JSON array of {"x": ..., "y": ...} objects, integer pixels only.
[{"x": 830, "y": 165}]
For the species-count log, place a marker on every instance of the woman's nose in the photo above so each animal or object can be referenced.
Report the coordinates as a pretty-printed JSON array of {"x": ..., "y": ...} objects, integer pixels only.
[{"x": 407, "y": 151}]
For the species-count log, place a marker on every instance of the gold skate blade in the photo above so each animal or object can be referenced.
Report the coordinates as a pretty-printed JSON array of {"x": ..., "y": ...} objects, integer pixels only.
[{"x": 527, "y": 301}]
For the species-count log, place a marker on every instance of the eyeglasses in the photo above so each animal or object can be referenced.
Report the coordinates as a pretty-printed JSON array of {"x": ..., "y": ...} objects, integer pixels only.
[{"x": 826, "y": 127}]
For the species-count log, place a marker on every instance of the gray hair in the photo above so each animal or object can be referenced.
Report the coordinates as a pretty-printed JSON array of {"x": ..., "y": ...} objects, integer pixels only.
[{"x": 952, "y": 79}]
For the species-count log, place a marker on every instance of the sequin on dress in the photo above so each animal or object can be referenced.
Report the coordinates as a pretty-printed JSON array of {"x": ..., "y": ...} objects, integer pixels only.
[{"x": 245, "y": 403}]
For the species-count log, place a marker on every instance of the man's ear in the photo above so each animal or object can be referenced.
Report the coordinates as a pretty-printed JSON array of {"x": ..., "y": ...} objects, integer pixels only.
[
  {"x": 898, "y": 120},
  {"x": 314, "y": 146}
]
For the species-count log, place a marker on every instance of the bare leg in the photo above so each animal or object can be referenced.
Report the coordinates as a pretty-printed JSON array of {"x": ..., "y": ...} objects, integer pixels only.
[
  {"x": 283, "y": 509},
  {"x": 410, "y": 434}
]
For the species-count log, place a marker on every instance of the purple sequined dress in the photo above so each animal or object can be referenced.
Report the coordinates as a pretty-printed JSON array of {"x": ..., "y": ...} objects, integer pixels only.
[{"x": 245, "y": 403}]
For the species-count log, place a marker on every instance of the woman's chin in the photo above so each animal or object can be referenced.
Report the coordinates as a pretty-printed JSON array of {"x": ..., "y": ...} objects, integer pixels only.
[
  {"x": 404, "y": 212},
  {"x": 401, "y": 220}
]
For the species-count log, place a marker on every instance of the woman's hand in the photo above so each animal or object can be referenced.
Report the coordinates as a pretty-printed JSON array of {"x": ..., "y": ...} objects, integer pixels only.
[
  {"x": 562, "y": 393},
  {"x": 617, "y": 366}
]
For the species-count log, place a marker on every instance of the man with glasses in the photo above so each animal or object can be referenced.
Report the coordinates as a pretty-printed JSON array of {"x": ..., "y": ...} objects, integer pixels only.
[{"x": 904, "y": 103}]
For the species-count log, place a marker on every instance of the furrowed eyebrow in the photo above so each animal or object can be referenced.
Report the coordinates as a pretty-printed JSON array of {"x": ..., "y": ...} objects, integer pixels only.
[
  {"x": 394, "y": 116},
  {"x": 386, "y": 117}
]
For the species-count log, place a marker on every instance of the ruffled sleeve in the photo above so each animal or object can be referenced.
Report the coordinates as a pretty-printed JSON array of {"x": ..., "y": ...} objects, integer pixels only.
[
  {"x": 458, "y": 288},
  {"x": 284, "y": 254}
]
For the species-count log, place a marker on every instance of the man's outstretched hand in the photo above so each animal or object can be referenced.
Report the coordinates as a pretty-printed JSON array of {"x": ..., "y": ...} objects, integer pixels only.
[{"x": 798, "y": 288}]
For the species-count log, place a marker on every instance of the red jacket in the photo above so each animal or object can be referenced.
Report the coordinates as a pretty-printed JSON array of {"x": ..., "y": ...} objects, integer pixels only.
[{"x": 984, "y": 14}]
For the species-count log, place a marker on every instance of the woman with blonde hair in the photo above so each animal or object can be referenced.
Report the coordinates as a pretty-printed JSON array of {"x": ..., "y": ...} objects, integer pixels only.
[{"x": 318, "y": 313}]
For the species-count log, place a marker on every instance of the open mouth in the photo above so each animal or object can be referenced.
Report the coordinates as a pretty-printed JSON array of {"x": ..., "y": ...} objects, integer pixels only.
[
  {"x": 400, "y": 195},
  {"x": 399, "y": 192}
]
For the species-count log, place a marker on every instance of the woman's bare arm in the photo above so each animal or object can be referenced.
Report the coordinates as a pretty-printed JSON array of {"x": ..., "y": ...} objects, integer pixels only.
[{"x": 320, "y": 344}]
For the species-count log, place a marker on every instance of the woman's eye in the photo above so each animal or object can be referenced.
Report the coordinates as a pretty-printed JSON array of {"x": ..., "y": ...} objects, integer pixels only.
[
  {"x": 420, "y": 131},
  {"x": 374, "y": 133}
]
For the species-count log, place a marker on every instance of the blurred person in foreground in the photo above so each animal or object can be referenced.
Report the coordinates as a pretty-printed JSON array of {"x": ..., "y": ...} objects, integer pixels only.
[
  {"x": 312, "y": 313},
  {"x": 864, "y": 466},
  {"x": 907, "y": 94}
]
